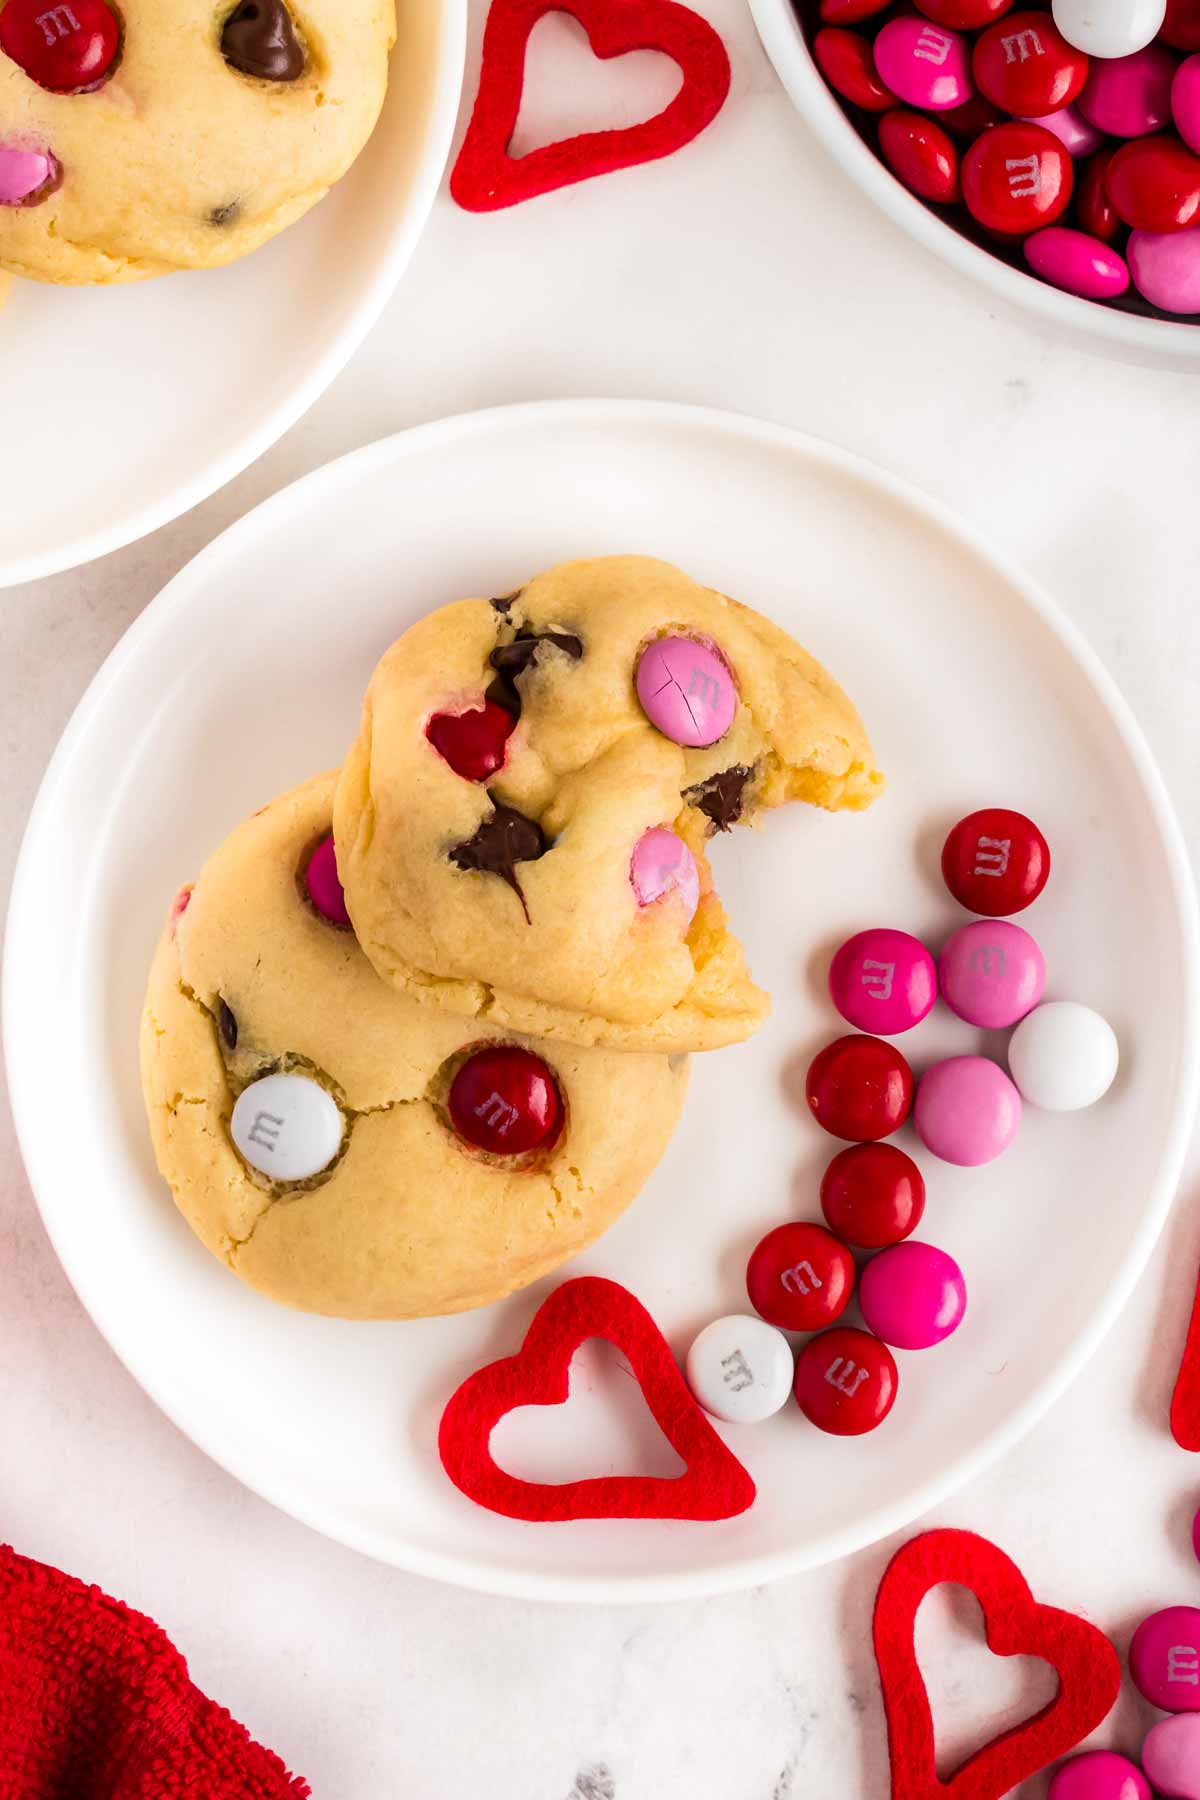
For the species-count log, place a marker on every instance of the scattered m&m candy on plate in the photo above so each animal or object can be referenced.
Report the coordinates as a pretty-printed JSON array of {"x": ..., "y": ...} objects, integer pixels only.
[
  {"x": 1164, "y": 1658},
  {"x": 859, "y": 1088},
  {"x": 1063, "y": 1056},
  {"x": 846, "y": 1381},
  {"x": 800, "y": 1277},
  {"x": 1171, "y": 1757},
  {"x": 872, "y": 1195},
  {"x": 1098, "y": 1775},
  {"x": 995, "y": 862},
  {"x": 883, "y": 981},
  {"x": 913, "y": 1295},
  {"x": 740, "y": 1369}
]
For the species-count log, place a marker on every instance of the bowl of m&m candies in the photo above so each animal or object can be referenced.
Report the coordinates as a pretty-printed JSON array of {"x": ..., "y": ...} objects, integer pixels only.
[{"x": 1052, "y": 152}]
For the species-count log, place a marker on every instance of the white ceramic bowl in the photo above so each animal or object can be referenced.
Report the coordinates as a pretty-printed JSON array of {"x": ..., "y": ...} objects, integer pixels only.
[
  {"x": 1128, "y": 334},
  {"x": 125, "y": 406}
]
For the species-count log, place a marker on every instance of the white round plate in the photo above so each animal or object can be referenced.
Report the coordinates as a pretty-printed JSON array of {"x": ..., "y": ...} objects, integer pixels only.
[
  {"x": 125, "y": 406},
  {"x": 245, "y": 675}
]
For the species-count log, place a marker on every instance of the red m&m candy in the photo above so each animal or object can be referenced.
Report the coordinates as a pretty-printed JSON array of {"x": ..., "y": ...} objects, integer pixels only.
[
  {"x": 1181, "y": 25},
  {"x": 859, "y": 1088},
  {"x": 1154, "y": 184},
  {"x": 1025, "y": 65},
  {"x": 849, "y": 12},
  {"x": 800, "y": 1277},
  {"x": 1095, "y": 210},
  {"x": 68, "y": 48},
  {"x": 845, "y": 61},
  {"x": 846, "y": 1381},
  {"x": 1016, "y": 178},
  {"x": 873, "y": 1195},
  {"x": 920, "y": 153},
  {"x": 963, "y": 15},
  {"x": 475, "y": 743},
  {"x": 995, "y": 862},
  {"x": 505, "y": 1100}
]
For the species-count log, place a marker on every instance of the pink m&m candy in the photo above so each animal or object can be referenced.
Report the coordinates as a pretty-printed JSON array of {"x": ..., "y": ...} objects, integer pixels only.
[
  {"x": 323, "y": 885},
  {"x": 1128, "y": 96},
  {"x": 913, "y": 1295},
  {"x": 1171, "y": 1757},
  {"x": 923, "y": 64},
  {"x": 1098, "y": 1775},
  {"x": 883, "y": 981},
  {"x": 967, "y": 1110},
  {"x": 661, "y": 866},
  {"x": 1165, "y": 267},
  {"x": 1071, "y": 129},
  {"x": 26, "y": 176},
  {"x": 1164, "y": 1659},
  {"x": 991, "y": 973},
  {"x": 686, "y": 689},
  {"x": 1185, "y": 101},
  {"x": 1077, "y": 263}
]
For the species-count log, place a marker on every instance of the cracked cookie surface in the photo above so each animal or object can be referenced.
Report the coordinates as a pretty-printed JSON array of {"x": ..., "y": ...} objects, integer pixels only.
[
  {"x": 249, "y": 980},
  {"x": 181, "y": 160},
  {"x": 508, "y": 896}
]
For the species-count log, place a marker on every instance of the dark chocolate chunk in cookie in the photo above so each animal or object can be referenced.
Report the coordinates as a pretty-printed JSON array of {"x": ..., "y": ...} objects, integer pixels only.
[
  {"x": 227, "y": 1025},
  {"x": 500, "y": 843},
  {"x": 510, "y": 661},
  {"x": 722, "y": 797},
  {"x": 260, "y": 39}
]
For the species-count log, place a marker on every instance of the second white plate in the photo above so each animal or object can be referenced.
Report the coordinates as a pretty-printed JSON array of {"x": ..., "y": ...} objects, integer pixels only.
[{"x": 245, "y": 676}]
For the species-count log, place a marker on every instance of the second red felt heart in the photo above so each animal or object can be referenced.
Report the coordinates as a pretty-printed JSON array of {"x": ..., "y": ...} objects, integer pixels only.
[
  {"x": 487, "y": 178},
  {"x": 1088, "y": 1670}
]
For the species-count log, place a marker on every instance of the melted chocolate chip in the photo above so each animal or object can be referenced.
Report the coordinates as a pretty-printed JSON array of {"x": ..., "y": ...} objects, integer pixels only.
[
  {"x": 722, "y": 797},
  {"x": 511, "y": 661},
  {"x": 501, "y": 842},
  {"x": 227, "y": 1025},
  {"x": 260, "y": 39},
  {"x": 225, "y": 215},
  {"x": 503, "y": 603}
]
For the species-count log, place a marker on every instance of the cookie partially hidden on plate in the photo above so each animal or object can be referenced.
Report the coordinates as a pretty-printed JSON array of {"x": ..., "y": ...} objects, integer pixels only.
[
  {"x": 345, "y": 1151},
  {"x": 521, "y": 823}
]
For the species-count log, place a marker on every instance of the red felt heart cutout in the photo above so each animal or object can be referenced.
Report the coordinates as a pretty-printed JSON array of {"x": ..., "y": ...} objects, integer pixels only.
[
  {"x": 1087, "y": 1666},
  {"x": 714, "y": 1485},
  {"x": 486, "y": 178},
  {"x": 1185, "y": 1401}
]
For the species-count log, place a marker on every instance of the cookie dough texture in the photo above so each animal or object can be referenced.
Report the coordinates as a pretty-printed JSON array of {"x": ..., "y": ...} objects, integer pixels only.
[
  {"x": 408, "y": 1222},
  {"x": 180, "y": 161},
  {"x": 588, "y": 967}
]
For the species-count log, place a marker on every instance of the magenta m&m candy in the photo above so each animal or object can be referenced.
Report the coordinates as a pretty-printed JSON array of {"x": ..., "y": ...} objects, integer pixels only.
[
  {"x": 913, "y": 1295},
  {"x": 859, "y": 1088},
  {"x": 1098, "y": 1775},
  {"x": 1131, "y": 96},
  {"x": 800, "y": 1278},
  {"x": 846, "y": 1381},
  {"x": 1185, "y": 101},
  {"x": 505, "y": 1100},
  {"x": 1077, "y": 263},
  {"x": 883, "y": 981},
  {"x": 995, "y": 862},
  {"x": 686, "y": 689},
  {"x": 26, "y": 176},
  {"x": 1165, "y": 268},
  {"x": 663, "y": 868},
  {"x": 923, "y": 64},
  {"x": 67, "y": 49},
  {"x": 844, "y": 59},
  {"x": 991, "y": 973},
  {"x": 1164, "y": 1658},
  {"x": 1071, "y": 129},
  {"x": 872, "y": 1195},
  {"x": 1024, "y": 65},
  {"x": 323, "y": 884},
  {"x": 1171, "y": 1757},
  {"x": 967, "y": 1111}
]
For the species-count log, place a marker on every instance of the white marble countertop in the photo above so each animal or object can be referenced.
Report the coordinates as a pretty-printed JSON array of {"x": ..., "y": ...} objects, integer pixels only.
[{"x": 746, "y": 273}]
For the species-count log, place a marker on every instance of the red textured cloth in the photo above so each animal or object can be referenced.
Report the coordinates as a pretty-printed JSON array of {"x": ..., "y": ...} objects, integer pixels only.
[{"x": 96, "y": 1704}]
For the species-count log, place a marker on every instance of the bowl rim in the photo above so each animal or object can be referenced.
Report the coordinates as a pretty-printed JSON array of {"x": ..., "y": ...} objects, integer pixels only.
[
  {"x": 783, "y": 40},
  {"x": 450, "y": 58}
]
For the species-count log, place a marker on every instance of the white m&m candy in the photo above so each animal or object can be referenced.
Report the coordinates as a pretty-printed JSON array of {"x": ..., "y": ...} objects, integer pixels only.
[
  {"x": 287, "y": 1127},
  {"x": 740, "y": 1369},
  {"x": 1063, "y": 1056},
  {"x": 1109, "y": 28}
]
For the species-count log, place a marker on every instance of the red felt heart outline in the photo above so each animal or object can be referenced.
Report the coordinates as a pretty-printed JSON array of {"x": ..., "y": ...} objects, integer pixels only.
[
  {"x": 1087, "y": 1666},
  {"x": 486, "y": 178},
  {"x": 714, "y": 1485}
]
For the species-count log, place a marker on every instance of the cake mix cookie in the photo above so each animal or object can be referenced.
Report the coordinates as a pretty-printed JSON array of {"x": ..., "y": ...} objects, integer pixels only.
[
  {"x": 521, "y": 822},
  {"x": 343, "y": 1150},
  {"x": 148, "y": 135}
]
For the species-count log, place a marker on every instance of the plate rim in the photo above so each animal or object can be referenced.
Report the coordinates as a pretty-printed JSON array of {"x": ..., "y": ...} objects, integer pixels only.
[
  {"x": 77, "y": 552},
  {"x": 457, "y": 1568}
]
